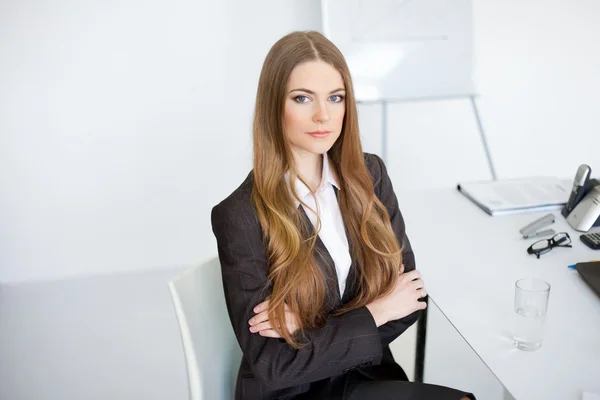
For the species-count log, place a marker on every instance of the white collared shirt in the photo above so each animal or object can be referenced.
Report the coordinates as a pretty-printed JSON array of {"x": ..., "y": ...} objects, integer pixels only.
[{"x": 333, "y": 233}]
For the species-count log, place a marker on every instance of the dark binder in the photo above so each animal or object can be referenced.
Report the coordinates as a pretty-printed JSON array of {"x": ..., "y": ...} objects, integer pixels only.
[{"x": 590, "y": 272}]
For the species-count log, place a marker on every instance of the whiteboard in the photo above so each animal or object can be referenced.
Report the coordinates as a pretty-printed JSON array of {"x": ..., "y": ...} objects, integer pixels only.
[{"x": 403, "y": 49}]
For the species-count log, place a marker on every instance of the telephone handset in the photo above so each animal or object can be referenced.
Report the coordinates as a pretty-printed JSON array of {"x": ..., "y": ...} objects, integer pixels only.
[
  {"x": 587, "y": 212},
  {"x": 582, "y": 210},
  {"x": 577, "y": 193}
]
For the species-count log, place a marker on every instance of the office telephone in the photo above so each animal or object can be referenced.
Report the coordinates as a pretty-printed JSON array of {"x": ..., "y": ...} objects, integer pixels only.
[
  {"x": 581, "y": 179},
  {"x": 591, "y": 240},
  {"x": 586, "y": 212},
  {"x": 583, "y": 207}
]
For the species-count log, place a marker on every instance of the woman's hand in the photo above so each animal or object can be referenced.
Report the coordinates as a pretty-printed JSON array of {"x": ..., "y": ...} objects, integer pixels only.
[
  {"x": 260, "y": 322},
  {"x": 402, "y": 301}
]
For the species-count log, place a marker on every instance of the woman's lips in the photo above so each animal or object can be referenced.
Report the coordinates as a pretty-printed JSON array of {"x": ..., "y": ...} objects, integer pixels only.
[{"x": 319, "y": 134}]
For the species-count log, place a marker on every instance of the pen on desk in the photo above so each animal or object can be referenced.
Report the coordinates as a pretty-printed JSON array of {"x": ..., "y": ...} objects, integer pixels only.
[{"x": 573, "y": 266}]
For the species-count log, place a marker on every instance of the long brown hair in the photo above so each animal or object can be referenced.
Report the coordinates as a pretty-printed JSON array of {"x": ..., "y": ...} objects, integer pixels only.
[{"x": 297, "y": 278}]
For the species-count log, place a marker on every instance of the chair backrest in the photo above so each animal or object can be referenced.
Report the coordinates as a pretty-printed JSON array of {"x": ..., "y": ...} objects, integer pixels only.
[{"x": 212, "y": 353}]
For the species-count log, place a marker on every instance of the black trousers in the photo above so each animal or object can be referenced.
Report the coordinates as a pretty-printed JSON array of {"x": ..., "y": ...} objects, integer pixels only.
[
  {"x": 401, "y": 390},
  {"x": 379, "y": 382}
]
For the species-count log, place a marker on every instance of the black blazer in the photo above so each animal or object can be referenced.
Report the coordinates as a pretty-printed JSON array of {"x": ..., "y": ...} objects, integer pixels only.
[{"x": 348, "y": 347}]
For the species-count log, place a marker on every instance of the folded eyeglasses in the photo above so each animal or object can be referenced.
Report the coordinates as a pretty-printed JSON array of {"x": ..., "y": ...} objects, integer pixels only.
[{"x": 561, "y": 239}]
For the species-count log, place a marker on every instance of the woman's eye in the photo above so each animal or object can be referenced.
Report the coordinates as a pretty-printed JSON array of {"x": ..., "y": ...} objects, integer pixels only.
[
  {"x": 336, "y": 98},
  {"x": 301, "y": 99}
]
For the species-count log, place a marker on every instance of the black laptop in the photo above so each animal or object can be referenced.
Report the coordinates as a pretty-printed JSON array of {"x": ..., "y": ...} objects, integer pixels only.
[{"x": 590, "y": 272}]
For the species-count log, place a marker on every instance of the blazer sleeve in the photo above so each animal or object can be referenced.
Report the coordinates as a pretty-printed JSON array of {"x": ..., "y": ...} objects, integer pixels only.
[
  {"x": 343, "y": 343},
  {"x": 385, "y": 192}
]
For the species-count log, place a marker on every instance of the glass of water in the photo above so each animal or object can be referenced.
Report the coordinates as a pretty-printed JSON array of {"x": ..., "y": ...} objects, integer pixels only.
[{"x": 531, "y": 303}]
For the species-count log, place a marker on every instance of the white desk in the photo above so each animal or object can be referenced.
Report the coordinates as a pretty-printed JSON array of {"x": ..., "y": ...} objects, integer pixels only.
[{"x": 470, "y": 262}]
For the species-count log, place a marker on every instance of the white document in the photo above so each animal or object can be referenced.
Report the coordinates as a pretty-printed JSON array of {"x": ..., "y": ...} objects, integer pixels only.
[{"x": 518, "y": 195}]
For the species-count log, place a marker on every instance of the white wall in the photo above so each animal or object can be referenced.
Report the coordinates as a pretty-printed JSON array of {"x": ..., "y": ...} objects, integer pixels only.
[
  {"x": 537, "y": 76},
  {"x": 431, "y": 143},
  {"x": 537, "y": 69},
  {"x": 123, "y": 124}
]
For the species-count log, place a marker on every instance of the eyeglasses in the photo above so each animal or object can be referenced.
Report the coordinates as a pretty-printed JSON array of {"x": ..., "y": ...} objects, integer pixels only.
[{"x": 543, "y": 246}]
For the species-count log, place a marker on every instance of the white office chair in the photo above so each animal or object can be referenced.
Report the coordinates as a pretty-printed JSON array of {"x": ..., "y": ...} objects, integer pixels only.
[{"x": 212, "y": 353}]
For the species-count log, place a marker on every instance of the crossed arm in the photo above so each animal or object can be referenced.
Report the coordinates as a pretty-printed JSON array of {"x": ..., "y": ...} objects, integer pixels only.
[{"x": 343, "y": 342}]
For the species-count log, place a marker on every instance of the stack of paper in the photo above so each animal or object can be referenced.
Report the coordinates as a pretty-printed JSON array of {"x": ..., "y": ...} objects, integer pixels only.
[{"x": 518, "y": 195}]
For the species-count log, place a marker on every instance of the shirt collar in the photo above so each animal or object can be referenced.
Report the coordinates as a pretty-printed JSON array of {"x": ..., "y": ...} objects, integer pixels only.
[{"x": 327, "y": 177}]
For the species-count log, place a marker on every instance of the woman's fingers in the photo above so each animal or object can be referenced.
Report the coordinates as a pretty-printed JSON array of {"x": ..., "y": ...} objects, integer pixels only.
[
  {"x": 290, "y": 319},
  {"x": 421, "y": 292},
  {"x": 261, "y": 306},
  {"x": 261, "y": 326},
  {"x": 417, "y": 284},
  {"x": 262, "y": 313},
  {"x": 260, "y": 322},
  {"x": 258, "y": 318},
  {"x": 270, "y": 333},
  {"x": 412, "y": 275}
]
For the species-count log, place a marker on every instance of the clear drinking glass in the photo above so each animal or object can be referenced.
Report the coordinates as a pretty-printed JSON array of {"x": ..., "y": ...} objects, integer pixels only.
[{"x": 531, "y": 304}]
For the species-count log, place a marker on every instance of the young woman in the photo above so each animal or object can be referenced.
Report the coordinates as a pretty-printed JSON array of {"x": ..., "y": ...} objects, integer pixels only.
[{"x": 318, "y": 273}]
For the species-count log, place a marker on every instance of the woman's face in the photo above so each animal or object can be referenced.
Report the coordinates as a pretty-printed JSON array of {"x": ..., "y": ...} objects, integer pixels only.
[{"x": 314, "y": 107}]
